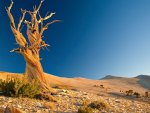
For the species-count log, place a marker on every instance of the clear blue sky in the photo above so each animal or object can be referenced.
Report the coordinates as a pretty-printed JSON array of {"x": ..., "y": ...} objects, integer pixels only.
[{"x": 95, "y": 38}]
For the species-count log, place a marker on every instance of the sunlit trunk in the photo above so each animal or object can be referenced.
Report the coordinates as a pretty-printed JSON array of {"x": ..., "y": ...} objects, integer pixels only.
[{"x": 34, "y": 68}]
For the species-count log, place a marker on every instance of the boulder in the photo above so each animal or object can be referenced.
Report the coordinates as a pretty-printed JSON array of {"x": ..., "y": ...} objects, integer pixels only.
[{"x": 11, "y": 109}]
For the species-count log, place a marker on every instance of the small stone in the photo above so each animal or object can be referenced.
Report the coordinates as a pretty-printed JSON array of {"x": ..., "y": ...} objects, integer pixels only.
[
  {"x": 38, "y": 111},
  {"x": 117, "y": 101},
  {"x": 62, "y": 90},
  {"x": 10, "y": 101},
  {"x": 39, "y": 105},
  {"x": 19, "y": 106}
]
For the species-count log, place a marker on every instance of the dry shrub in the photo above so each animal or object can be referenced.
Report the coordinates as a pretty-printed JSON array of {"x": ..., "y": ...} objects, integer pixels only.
[
  {"x": 46, "y": 96},
  {"x": 85, "y": 109},
  {"x": 100, "y": 105},
  {"x": 137, "y": 94},
  {"x": 50, "y": 105},
  {"x": 89, "y": 107},
  {"x": 16, "y": 87},
  {"x": 129, "y": 92},
  {"x": 146, "y": 94}
]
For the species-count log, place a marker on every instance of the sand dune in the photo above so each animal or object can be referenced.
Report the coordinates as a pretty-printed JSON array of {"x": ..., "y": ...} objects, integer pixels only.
[{"x": 111, "y": 85}]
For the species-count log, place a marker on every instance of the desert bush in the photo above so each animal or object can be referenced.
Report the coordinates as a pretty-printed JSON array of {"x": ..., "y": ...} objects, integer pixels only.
[
  {"x": 129, "y": 92},
  {"x": 137, "y": 94},
  {"x": 85, "y": 109},
  {"x": 146, "y": 94},
  {"x": 85, "y": 102},
  {"x": 46, "y": 96},
  {"x": 16, "y": 87},
  {"x": 100, "y": 105},
  {"x": 89, "y": 107},
  {"x": 102, "y": 86}
]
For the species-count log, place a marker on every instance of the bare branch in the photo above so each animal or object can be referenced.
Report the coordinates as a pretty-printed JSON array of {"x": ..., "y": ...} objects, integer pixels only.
[
  {"x": 54, "y": 21},
  {"x": 18, "y": 50},
  {"x": 39, "y": 6},
  {"x": 46, "y": 17},
  {"x": 46, "y": 26},
  {"x": 11, "y": 18},
  {"x": 21, "y": 41},
  {"x": 9, "y": 8},
  {"x": 27, "y": 22},
  {"x": 22, "y": 18}
]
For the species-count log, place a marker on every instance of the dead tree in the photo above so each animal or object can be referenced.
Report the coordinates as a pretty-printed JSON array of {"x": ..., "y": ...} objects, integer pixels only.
[{"x": 31, "y": 49}]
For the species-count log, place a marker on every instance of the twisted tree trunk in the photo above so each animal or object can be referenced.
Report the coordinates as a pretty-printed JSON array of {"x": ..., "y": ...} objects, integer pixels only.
[
  {"x": 34, "y": 68},
  {"x": 30, "y": 50}
]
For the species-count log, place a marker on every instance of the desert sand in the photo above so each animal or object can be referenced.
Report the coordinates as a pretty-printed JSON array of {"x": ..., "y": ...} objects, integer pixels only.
[{"x": 71, "y": 92}]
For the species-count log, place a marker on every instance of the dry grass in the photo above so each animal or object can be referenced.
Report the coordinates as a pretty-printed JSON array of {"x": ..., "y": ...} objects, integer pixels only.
[
  {"x": 50, "y": 105},
  {"x": 100, "y": 105}
]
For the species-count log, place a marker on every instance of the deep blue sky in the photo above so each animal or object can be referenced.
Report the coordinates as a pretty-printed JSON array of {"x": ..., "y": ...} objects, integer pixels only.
[{"x": 95, "y": 38}]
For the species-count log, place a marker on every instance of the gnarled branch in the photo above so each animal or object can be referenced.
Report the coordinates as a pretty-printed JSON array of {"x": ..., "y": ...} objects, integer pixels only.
[
  {"x": 21, "y": 19},
  {"x": 46, "y": 17},
  {"x": 36, "y": 10},
  {"x": 46, "y": 26},
  {"x": 11, "y": 18},
  {"x": 21, "y": 41}
]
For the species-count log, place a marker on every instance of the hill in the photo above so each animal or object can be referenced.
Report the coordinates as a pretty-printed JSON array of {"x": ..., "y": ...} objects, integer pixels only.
[
  {"x": 111, "y": 83},
  {"x": 110, "y": 77},
  {"x": 72, "y": 92}
]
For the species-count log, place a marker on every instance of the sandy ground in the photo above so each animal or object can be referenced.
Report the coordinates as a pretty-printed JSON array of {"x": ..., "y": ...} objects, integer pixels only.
[{"x": 111, "y": 86}]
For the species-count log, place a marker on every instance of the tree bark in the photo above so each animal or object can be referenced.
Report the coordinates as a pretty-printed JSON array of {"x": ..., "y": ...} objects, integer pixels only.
[{"x": 34, "y": 68}]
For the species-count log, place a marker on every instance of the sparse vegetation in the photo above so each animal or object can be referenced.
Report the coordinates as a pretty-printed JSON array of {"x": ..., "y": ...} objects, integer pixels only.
[
  {"x": 46, "y": 96},
  {"x": 89, "y": 107},
  {"x": 146, "y": 94},
  {"x": 137, "y": 94},
  {"x": 16, "y": 87},
  {"x": 101, "y": 86},
  {"x": 100, "y": 105},
  {"x": 85, "y": 109},
  {"x": 129, "y": 92},
  {"x": 61, "y": 87}
]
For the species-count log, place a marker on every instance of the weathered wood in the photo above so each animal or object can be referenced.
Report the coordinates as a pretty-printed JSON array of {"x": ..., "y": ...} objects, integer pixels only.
[{"x": 30, "y": 50}]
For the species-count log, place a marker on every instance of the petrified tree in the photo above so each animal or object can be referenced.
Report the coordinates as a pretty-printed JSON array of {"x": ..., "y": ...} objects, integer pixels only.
[{"x": 30, "y": 49}]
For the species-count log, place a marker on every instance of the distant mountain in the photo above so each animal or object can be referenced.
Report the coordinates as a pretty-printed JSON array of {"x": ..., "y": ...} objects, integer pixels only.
[
  {"x": 143, "y": 77},
  {"x": 110, "y": 77},
  {"x": 144, "y": 80}
]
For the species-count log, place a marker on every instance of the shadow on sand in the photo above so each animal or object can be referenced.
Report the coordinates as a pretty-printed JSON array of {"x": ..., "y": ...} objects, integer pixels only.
[{"x": 132, "y": 98}]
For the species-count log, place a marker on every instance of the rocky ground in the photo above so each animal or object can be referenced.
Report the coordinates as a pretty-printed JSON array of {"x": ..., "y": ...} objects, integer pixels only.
[{"x": 68, "y": 101}]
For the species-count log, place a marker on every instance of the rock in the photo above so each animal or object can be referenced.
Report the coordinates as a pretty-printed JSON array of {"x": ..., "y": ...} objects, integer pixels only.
[
  {"x": 47, "y": 111},
  {"x": 11, "y": 109},
  {"x": 19, "y": 106},
  {"x": 117, "y": 101},
  {"x": 62, "y": 90},
  {"x": 63, "y": 94},
  {"x": 39, "y": 105},
  {"x": 38, "y": 111},
  {"x": 10, "y": 101}
]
